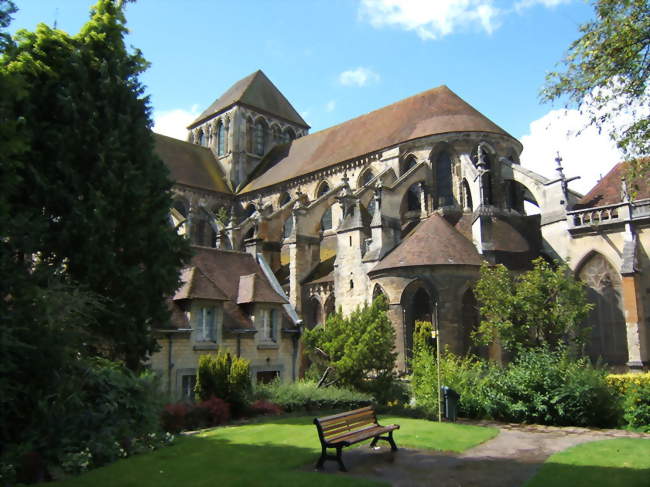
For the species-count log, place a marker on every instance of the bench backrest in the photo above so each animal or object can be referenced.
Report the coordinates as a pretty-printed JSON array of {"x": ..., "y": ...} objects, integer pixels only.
[{"x": 338, "y": 424}]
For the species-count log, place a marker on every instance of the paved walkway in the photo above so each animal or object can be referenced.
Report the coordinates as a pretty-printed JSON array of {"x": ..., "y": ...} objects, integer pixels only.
[{"x": 508, "y": 460}]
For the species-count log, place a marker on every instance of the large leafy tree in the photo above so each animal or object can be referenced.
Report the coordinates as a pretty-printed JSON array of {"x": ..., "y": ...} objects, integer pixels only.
[
  {"x": 606, "y": 72},
  {"x": 358, "y": 349},
  {"x": 101, "y": 194},
  {"x": 543, "y": 307}
]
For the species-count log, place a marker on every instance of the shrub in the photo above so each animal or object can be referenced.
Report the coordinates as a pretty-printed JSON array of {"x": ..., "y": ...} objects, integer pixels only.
[
  {"x": 636, "y": 406},
  {"x": 224, "y": 376},
  {"x": 262, "y": 407},
  {"x": 217, "y": 411},
  {"x": 540, "y": 386},
  {"x": 306, "y": 396},
  {"x": 173, "y": 417},
  {"x": 623, "y": 382},
  {"x": 358, "y": 348}
]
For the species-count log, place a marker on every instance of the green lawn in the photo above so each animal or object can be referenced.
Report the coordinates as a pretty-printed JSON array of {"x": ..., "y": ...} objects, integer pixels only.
[
  {"x": 269, "y": 453},
  {"x": 623, "y": 462}
]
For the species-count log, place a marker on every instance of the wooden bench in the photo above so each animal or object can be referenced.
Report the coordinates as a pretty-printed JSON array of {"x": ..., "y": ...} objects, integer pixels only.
[{"x": 345, "y": 429}]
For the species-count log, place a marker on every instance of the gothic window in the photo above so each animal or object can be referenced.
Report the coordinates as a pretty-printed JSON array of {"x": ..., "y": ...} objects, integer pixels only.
[
  {"x": 200, "y": 138},
  {"x": 287, "y": 228},
  {"x": 366, "y": 177},
  {"x": 260, "y": 137},
  {"x": 443, "y": 179},
  {"x": 249, "y": 135},
  {"x": 407, "y": 164},
  {"x": 467, "y": 196},
  {"x": 322, "y": 189},
  {"x": 413, "y": 198},
  {"x": 314, "y": 313},
  {"x": 326, "y": 220},
  {"x": 276, "y": 134},
  {"x": 608, "y": 339},
  {"x": 290, "y": 134},
  {"x": 221, "y": 139},
  {"x": 284, "y": 199}
]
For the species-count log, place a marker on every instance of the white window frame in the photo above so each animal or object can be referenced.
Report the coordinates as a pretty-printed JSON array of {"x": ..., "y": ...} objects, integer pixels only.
[
  {"x": 269, "y": 325},
  {"x": 205, "y": 332}
]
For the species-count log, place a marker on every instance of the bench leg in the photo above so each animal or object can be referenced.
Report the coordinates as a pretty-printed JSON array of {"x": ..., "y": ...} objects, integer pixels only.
[
  {"x": 374, "y": 441},
  {"x": 339, "y": 450},
  {"x": 321, "y": 460},
  {"x": 393, "y": 446}
]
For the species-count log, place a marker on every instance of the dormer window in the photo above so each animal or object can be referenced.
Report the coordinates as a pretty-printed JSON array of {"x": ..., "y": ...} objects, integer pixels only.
[
  {"x": 269, "y": 326},
  {"x": 206, "y": 324}
]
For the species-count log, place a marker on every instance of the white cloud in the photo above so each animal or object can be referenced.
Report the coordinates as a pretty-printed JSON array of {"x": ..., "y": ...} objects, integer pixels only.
[
  {"x": 173, "y": 123},
  {"x": 358, "y": 77},
  {"x": 330, "y": 106},
  {"x": 585, "y": 152},
  {"x": 432, "y": 19}
]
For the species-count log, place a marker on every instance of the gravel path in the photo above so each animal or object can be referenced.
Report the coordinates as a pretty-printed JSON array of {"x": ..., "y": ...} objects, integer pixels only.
[{"x": 508, "y": 460}]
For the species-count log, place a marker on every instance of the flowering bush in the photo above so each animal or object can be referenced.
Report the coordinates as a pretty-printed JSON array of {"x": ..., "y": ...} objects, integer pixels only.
[{"x": 263, "y": 407}]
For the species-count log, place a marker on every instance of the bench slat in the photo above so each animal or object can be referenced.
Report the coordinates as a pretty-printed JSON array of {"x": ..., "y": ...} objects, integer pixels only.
[
  {"x": 348, "y": 428},
  {"x": 362, "y": 435},
  {"x": 324, "y": 419},
  {"x": 347, "y": 419}
]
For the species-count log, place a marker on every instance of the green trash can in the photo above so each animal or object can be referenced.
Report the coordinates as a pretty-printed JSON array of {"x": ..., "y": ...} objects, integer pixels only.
[{"x": 450, "y": 400}]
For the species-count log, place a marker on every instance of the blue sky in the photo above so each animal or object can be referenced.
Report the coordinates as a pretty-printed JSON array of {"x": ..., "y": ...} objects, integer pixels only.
[{"x": 338, "y": 59}]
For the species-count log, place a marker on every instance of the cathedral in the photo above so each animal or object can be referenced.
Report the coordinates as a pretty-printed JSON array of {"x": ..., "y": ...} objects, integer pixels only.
[{"x": 405, "y": 201}]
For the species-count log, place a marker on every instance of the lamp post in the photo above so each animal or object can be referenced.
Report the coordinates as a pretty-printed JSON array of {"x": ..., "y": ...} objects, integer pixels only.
[{"x": 435, "y": 333}]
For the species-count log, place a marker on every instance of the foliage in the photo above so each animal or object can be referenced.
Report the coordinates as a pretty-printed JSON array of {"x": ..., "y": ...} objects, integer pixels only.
[
  {"x": 607, "y": 71},
  {"x": 623, "y": 382},
  {"x": 358, "y": 349},
  {"x": 636, "y": 406},
  {"x": 542, "y": 307},
  {"x": 264, "y": 407},
  {"x": 99, "y": 195},
  {"x": 540, "y": 386},
  {"x": 226, "y": 377},
  {"x": 96, "y": 411},
  {"x": 307, "y": 396},
  {"x": 619, "y": 462}
]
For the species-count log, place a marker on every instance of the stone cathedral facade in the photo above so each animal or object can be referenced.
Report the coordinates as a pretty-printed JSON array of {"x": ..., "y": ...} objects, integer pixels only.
[{"x": 405, "y": 201}]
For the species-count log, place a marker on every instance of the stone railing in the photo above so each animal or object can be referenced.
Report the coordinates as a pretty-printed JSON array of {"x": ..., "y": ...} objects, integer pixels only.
[{"x": 608, "y": 215}]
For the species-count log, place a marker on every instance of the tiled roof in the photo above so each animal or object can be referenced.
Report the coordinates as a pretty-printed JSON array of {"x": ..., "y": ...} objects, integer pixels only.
[
  {"x": 323, "y": 272},
  {"x": 608, "y": 190},
  {"x": 222, "y": 269},
  {"x": 256, "y": 91},
  {"x": 190, "y": 164},
  {"x": 437, "y": 111},
  {"x": 254, "y": 289},
  {"x": 196, "y": 285},
  {"x": 433, "y": 242}
]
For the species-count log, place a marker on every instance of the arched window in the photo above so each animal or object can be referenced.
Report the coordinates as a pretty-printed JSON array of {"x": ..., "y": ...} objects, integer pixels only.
[
  {"x": 608, "y": 339},
  {"x": 200, "y": 138},
  {"x": 221, "y": 139},
  {"x": 260, "y": 137},
  {"x": 467, "y": 196},
  {"x": 413, "y": 198},
  {"x": 284, "y": 199},
  {"x": 366, "y": 177},
  {"x": 290, "y": 134},
  {"x": 314, "y": 312},
  {"x": 322, "y": 189},
  {"x": 407, "y": 164},
  {"x": 249, "y": 135},
  {"x": 443, "y": 179},
  {"x": 287, "y": 228},
  {"x": 275, "y": 131}
]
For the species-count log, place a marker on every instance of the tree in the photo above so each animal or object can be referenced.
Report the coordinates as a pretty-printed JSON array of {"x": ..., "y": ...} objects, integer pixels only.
[
  {"x": 91, "y": 173},
  {"x": 358, "y": 349},
  {"x": 607, "y": 71},
  {"x": 542, "y": 307}
]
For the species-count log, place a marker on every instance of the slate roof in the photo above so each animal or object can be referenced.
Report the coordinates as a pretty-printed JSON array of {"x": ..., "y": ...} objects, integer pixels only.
[
  {"x": 608, "y": 190},
  {"x": 215, "y": 274},
  {"x": 254, "y": 289},
  {"x": 436, "y": 111},
  {"x": 433, "y": 242},
  {"x": 323, "y": 272},
  {"x": 255, "y": 91},
  {"x": 190, "y": 164}
]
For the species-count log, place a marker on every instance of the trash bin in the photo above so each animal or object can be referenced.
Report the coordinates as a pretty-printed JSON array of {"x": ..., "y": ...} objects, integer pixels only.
[{"x": 450, "y": 398}]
